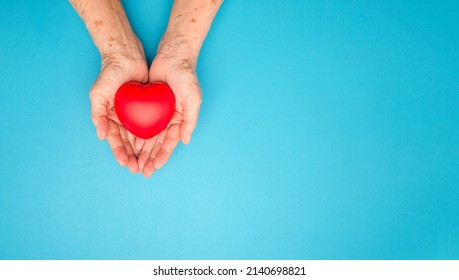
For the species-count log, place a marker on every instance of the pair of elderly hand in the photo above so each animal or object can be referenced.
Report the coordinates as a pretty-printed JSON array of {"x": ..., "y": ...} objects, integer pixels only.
[
  {"x": 123, "y": 60},
  {"x": 126, "y": 64}
]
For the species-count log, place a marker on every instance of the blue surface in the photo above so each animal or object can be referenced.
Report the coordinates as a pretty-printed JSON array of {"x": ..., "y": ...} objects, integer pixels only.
[{"x": 329, "y": 130}]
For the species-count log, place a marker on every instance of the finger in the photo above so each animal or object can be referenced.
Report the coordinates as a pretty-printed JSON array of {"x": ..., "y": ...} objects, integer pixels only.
[
  {"x": 149, "y": 167},
  {"x": 131, "y": 138},
  {"x": 138, "y": 144},
  {"x": 145, "y": 152},
  {"x": 132, "y": 159},
  {"x": 190, "y": 117},
  {"x": 102, "y": 127},
  {"x": 159, "y": 142},
  {"x": 116, "y": 143},
  {"x": 170, "y": 141}
]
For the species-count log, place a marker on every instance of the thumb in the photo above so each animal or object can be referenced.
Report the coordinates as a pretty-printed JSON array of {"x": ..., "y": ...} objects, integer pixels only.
[
  {"x": 99, "y": 107},
  {"x": 190, "y": 117}
]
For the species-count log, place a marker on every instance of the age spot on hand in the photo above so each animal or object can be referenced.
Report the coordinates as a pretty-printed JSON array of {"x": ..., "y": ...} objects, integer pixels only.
[{"x": 99, "y": 22}]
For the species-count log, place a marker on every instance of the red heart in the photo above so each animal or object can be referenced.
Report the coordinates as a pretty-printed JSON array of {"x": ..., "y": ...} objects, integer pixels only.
[{"x": 144, "y": 110}]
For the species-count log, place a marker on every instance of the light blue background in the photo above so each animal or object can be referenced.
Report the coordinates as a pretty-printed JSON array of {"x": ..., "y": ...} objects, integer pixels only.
[{"x": 329, "y": 130}]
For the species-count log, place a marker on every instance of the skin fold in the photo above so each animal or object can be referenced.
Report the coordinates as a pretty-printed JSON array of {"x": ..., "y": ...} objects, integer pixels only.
[{"x": 123, "y": 60}]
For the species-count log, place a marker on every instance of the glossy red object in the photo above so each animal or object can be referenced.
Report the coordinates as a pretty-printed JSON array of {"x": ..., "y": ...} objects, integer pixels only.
[{"x": 144, "y": 109}]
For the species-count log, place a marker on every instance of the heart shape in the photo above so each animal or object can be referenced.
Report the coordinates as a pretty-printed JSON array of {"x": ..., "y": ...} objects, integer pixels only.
[{"x": 144, "y": 109}]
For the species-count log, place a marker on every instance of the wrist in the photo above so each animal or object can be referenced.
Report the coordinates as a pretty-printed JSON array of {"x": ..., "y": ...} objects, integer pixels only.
[
  {"x": 109, "y": 27},
  {"x": 176, "y": 45},
  {"x": 126, "y": 46},
  {"x": 187, "y": 28},
  {"x": 117, "y": 38}
]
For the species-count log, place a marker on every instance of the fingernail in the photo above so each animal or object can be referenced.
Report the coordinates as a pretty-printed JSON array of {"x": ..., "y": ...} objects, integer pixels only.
[
  {"x": 187, "y": 139},
  {"x": 98, "y": 133}
]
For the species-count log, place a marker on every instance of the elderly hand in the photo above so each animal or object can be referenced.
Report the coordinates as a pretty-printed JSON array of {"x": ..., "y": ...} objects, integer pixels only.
[
  {"x": 117, "y": 68},
  {"x": 180, "y": 74},
  {"x": 123, "y": 60},
  {"x": 175, "y": 64}
]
